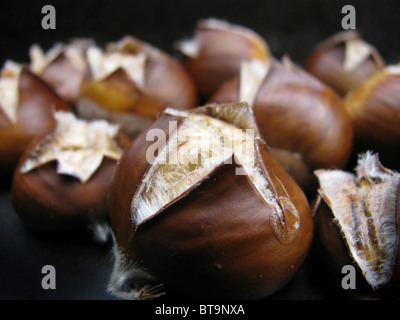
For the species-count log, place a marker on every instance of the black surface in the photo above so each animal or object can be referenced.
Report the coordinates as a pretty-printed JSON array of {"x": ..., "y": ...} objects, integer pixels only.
[
  {"x": 292, "y": 27},
  {"x": 83, "y": 267}
]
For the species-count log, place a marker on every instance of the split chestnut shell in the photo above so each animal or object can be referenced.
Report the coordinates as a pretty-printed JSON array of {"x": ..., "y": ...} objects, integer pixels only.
[
  {"x": 129, "y": 82},
  {"x": 199, "y": 204},
  {"x": 63, "y": 67},
  {"x": 216, "y": 52},
  {"x": 357, "y": 223},
  {"x": 62, "y": 181},
  {"x": 344, "y": 61},
  {"x": 27, "y": 105},
  {"x": 303, "y": 121}
]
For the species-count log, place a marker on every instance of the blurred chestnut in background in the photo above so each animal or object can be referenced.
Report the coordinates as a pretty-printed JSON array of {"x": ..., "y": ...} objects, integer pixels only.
[
  {"x": 62, "y": 181},
  {"x": 344, "y": 61},
  {"x": 216, "y": 52},
  {"x": 63, "y": 67},
  {"x": 27, "y": 105},
  {"x": 130, "y": 82},
  {"x": 357, "y": 224},
  {"x": 374, "y": 108},
  {"x": 303, "y": 121},
  {"x": 206, "y": 210}
]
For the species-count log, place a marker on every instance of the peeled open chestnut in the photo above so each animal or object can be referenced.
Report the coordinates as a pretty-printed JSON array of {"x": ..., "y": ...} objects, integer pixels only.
[
  {"x": 357, "y": 224},
  {"x": 130, "y": 82},
  {"x": 216, "y": 52},
  {"x": 344, "y": 61},
  {"x": 199, "y": 204},
  {"x": 27, "y": 105},
  {"x": 62, "y": 181},
  {"x": 374, "y": 108},
  {"x": 303, "y": 121},
  {"x": 63, "y": 67}
]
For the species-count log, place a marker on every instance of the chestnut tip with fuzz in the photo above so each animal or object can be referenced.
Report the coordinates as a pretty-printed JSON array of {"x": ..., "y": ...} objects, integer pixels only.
[
  {"x": 129, "y": 82},
  {"x": 27, "y": 105},
  {"x": 303, "y": 121},
  {"x": 217, "y": 50},
  {"x": 344, "y": 61},
  {"x": 62, "y": 180},
  {"x": 199, "y": 204},
  {"x": 356, "y": 219}
]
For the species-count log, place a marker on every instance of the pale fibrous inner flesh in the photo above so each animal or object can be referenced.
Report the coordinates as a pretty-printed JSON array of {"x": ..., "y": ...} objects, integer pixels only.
[
  {"x": 74, "y": 53},
  {"x": 364, "y": 207},
  {"x": 193, "y": 151},
  {"x": 252, "y": 73},
  {"x": 393, "y": 69},
  {"x": 103, "y": 64},
  {"x": 9, "y": 89},
  {"x": 356, "y": 52},
  {"x": 77, "y": 145}
]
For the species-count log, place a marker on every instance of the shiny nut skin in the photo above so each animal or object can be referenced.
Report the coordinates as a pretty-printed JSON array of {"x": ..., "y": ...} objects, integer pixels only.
[
  {"x": 297, "y": 113},
  {"x": 327, "y": 63},
  {"x": 49, "y": 202},
  {"x": 166, "y": 84},
  {"x": 221, "y": 47},
  {"x": 217, "y": 240},
  {"x": 37, "y": 101},
  {"x": 373, "y": 108}
]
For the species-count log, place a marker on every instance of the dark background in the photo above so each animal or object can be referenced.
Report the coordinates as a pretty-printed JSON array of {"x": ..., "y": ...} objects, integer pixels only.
[{"x": 290, "y": 27}]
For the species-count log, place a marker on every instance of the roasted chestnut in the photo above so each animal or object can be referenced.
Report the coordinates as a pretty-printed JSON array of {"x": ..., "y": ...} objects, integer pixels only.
[
  {"x": 130, "y": 82},
  {"x": 199, "y": 204},
  {"x": 63, "y": 67},
  {"x": 27, "y": 104},
  {"x": 62, "y": 181},
  {"x": 374, "y": 109},
  {"x": 357, "y": 224},
  {"x": 303, "y": 121},
  {"x": 216, "y": 52},
  {"x": 344, "y": 61}
]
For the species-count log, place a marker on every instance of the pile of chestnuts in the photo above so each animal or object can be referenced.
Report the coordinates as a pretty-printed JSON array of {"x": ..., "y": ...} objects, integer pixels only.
[{"x": 215, "y": 172}]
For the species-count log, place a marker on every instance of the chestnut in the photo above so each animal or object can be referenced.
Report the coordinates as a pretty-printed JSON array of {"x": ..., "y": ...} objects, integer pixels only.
[
  {"x": 344, "y": 61},
  {"x": 130, "y": 82},
  {"x": 357, "y": 224},
  {"x": 374, "y": 107},
  {"x": 303, "y": 121},
  {"x": 217, "y": 50},
  {"x": 62, "y": 180},
  {"x": 27, "y": 104},
  {"x": 199, "y": 204},
  {"x": 63, "y": 67}
]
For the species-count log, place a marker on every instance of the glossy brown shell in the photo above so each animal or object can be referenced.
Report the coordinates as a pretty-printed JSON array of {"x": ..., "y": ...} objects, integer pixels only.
[
  {"x": 217, "y": 240},
  {"x": 326, "y": 64},
  {"x": 51, "y": 202},
  {"x": 64, "y": 77},
  {"x": 374, "y": 107},
  {"x": 296, "y": 112},
  {"x": 220, "y": 55},
  {"x": 37, "y": 102},
  {"x": 167, "y": 84}
]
